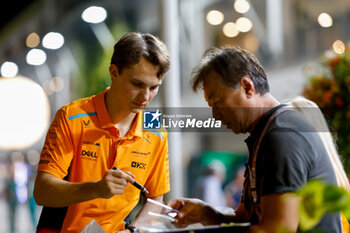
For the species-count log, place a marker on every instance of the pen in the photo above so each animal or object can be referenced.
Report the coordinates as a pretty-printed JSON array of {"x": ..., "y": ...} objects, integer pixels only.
[
  {"x": 162, "y": 205},
  {"x": 134, "y": 183}
]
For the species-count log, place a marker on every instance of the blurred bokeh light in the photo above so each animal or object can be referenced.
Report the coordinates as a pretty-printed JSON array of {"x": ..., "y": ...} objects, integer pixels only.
[
  {"x": 241, "y": 6},
  {"x": 9, "y": 69},
  {"x": 325, "y": 20},
  {"x": 215, "y": 17},
  {"x": 56, "y": 84},
  {"x": 251, "y": 43},
  {"x": 339, "y": 47},
  {"x": 36, "y": 57},
  {"x": 25, "y": 113},
  {"x": 230, "y": 29},
  {"x": 33, "y": 157},
  {"x": 53, "y": 40},
  {"x": 32, "y": 40},
  {"x": 244, "y": 24},
  {"x": 94, "y": 14}
]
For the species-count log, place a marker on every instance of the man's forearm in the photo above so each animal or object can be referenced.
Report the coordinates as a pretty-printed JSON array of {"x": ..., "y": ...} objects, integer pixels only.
[
  {"x": 213, "y": 217},
  {"x": 53, "y": 192},
  {"x": 227, "y": 218}
]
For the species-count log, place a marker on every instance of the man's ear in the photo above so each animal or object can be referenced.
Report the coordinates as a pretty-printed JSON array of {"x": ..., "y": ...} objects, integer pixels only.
[
  {"x": 113, "y": 71},
  {"x": 248, "y": 86}
]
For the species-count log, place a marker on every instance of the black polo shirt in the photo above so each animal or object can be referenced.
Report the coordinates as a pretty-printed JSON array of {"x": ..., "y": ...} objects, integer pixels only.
[{"x": 291, "y": 153}]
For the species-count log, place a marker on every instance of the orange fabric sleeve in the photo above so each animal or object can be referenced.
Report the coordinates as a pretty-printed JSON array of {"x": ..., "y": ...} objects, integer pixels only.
[{"x": 58, "y": 151}]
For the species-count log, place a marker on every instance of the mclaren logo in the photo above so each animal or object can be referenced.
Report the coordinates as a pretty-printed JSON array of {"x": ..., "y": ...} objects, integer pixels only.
[{"x": 91, "y": 143}]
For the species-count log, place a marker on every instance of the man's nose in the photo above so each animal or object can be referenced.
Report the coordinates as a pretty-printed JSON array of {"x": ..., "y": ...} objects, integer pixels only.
[
  {"x": 144, "y": 95},
  {"x": 213, "y": 101},
  {"x": 216, "y": 113}
]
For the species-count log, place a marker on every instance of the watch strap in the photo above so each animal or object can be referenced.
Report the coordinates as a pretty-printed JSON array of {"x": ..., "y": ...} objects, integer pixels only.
[{"x": 133, "y": 229}]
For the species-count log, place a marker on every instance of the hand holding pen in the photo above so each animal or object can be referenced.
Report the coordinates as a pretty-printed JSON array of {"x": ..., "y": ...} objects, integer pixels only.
[
  {"x": 112, "y": 183},
  {"x": 134, "y": 182}
]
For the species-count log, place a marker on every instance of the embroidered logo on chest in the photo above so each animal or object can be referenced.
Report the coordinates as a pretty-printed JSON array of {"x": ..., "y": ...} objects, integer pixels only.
[
  {"x": 87, "y": 124},
  {"x": 89, "y": 155},
  {"x": 138, "y": 165}
]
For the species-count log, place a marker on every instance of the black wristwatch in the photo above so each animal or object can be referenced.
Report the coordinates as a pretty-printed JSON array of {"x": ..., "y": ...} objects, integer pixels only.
[{"x": 133, "y": 229}]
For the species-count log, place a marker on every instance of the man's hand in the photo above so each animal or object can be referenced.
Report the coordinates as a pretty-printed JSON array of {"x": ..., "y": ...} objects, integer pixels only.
[
  {"x": 113, "y": 182},
  {"x": 193, "y": 211}
]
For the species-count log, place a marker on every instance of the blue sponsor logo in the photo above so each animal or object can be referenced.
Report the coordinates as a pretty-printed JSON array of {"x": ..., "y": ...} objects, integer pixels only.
[{"x": 151, "y": 119}]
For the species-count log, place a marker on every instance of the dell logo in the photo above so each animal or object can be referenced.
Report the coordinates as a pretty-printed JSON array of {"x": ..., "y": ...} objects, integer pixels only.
[{"x": 89, "y": 154}]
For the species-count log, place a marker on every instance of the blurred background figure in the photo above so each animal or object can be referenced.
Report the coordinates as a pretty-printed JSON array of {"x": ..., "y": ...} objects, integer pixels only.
[
  {"x": 209, "y": 186},
  {"x": 16, "y": 191},
  {"x": 312, "y": 113},
  {"x": 10, "y": 195},
  {"x": 31, "y": 202},
  {"x": 233, "y": 190},
  {"x": 32, "y": 157}
]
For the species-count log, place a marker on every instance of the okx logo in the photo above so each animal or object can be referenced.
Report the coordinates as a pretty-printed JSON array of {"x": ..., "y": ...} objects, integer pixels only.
[
  {"x": 151, "y": 119},
  {"x": 138, "y": 165}
]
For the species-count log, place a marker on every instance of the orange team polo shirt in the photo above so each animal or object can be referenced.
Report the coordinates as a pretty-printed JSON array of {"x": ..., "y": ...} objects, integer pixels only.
[{"x": 83, "y": 142}]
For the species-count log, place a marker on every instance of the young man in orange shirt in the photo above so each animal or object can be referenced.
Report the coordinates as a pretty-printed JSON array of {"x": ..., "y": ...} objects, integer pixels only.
[{"x": 91, "y": 136}]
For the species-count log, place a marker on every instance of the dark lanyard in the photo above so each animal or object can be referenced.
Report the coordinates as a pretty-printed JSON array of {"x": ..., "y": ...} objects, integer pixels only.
[{"x": 252, "y": 169}]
